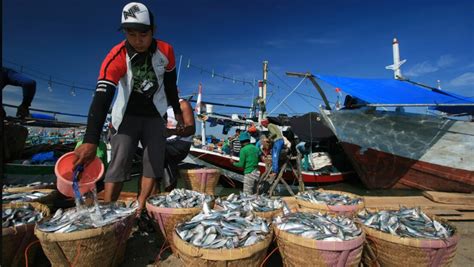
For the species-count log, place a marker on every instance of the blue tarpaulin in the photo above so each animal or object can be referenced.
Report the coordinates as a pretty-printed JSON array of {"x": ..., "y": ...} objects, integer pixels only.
[{"x": 391, "y": 91}]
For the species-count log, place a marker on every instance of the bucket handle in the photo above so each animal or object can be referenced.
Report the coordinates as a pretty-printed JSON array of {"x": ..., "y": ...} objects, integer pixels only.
[{"x": 75, "y": 182}]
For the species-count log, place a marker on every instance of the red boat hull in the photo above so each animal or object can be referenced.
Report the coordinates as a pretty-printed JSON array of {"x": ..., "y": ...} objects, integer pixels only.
[
  {"x": 383, "y": 170},
  {"x": 223, "y": 161}
]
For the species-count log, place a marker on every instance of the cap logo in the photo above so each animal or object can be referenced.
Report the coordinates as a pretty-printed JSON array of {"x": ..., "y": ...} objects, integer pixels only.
[{"x": 131, "y": 12}]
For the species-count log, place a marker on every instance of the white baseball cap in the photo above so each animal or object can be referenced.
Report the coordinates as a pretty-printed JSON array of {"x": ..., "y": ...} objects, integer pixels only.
[{"x": 136, "y": 16}]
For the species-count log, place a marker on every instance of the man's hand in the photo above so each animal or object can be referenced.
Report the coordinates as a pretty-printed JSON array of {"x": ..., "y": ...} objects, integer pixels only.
[
  {"x": 180, "y": 120},
  {"x": 85, "y": 154}
]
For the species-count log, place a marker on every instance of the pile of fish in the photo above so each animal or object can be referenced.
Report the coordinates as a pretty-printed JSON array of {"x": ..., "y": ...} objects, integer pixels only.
[
  {"x": 247, "y": 202},
  {"x": 226, "y": 229},
  {"x": 74, "y": 219},
  {"x": 20, "y": 215},
  {"x": 406, "y": 222},
  {"x": 179, "y": 198},
  {"x": 36, "y": 185},
  {"x": 318, "y": 226},
  {"x": 22, "y": 196},
  {"x": 327, "y": 198}
]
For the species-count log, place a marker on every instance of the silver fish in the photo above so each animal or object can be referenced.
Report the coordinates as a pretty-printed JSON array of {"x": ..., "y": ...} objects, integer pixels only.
[
  {"x": 258, "y": 203},
  {"x": 22, "y": 196},
  {"x": 332, "y": 199},
  {"x": 20, "y": 215},
  {"x": 180, "y": 198},
  {"x": 406, "y": 222},
  {"x": 231, "y": 229},
  {"x": 73, "y": 219},
  {"x": 318, "y": 226}
]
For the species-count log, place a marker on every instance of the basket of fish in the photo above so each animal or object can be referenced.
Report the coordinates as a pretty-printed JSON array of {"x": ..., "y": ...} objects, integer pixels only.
[
  {"x": 318, "y": 239},
  {"x": 18, "y": 223},
  {"x": 335, "y": 202},
  {"x": 222, "y": 238},
  {"x": 168, "y": 209},
  {"x": 201, "y": 180},
  {"x": 87, "y": 236},
  {"x": 30, "y": 186},
  {"x": 407, "y": 237},
  {"x": 262, "y": 206},
  {"x": 43, "y": 196}
]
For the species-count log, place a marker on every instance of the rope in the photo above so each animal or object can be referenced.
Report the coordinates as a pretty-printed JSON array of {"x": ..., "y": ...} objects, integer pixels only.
[
  {"x": 162, "y": 249},
  {"x": 268, "y": 256},
  {"x": 302, "y": 80},
  {"x": 26, "y": 251},
  {"x": 78, "y": 251}
]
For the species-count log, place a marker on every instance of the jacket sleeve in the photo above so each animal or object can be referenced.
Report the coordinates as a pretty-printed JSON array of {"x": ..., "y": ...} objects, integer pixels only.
[
  {"x": 113, "y": 68},
  {"x": 241, "y": 162}
]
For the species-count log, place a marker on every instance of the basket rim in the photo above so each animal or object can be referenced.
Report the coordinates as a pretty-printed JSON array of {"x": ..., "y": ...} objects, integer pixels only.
[
  {"x": 221, "y": 254},
  {"x": 320, "y": 244},
  {"x": 82, "y": 234},
  {"x": 335, "y": 208}
]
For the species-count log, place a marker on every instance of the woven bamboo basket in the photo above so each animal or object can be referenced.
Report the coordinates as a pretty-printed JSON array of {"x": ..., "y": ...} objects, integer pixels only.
[
  {"x": 194, "y": 256},
  {"x": 299, "y": 251},
  {"x": 16, "y": 239},
  {"x": 346, "y": 210},
  {"x": 48, "y": 200},
  {"x": 104, "y": 246},
  {"x": 166, "y": 219},
  {"x": 14, "y": 189},
  {"x": 383, "y": 249},
  {"x": 201, "y": 180}
]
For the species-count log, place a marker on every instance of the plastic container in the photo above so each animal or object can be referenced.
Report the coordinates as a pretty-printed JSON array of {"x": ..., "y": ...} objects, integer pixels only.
[{"x": 87, "y": 179}]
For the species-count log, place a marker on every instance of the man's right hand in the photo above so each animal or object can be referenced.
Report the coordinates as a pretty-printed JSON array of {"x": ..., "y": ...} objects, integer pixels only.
[{"x": 85, "y": 154}]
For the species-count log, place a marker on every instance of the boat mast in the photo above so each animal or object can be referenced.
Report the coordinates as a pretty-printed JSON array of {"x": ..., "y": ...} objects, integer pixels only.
[
  {"x": 263, "y": 94},
  {"x": 397, "y": 72}
]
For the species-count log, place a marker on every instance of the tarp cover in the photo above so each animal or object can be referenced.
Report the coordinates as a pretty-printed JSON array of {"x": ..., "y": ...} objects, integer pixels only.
[{"x": 391, "y": 91}]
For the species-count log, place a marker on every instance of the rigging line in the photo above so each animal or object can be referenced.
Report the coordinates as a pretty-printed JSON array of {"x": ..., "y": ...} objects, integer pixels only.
[
  {"x": 302, "y": 80},
  {"x": 304, "y": 99},
  {"x": 50, "y": 111},
  {"x": 35, "y": 76},
  {"x": 41, "y": 73}
]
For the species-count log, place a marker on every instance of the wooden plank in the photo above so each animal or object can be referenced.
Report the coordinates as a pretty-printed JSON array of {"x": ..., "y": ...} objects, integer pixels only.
[
  {"x": 412, "y": 201},
  {"x": 450, "y": 198},
  {"x": 468, "y": 216}
]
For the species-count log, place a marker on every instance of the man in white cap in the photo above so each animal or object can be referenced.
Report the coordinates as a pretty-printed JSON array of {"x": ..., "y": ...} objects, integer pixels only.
[{"x": 142, "y": 70}]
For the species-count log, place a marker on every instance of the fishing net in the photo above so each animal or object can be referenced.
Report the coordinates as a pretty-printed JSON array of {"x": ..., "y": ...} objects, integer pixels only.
[
  {"x": 16, "y": 239},
  {"x": 201, "y": 180},
  {"x": 346, "y": 210},
  {"x": 383, "y": 249},
  {"x": 299, "y": 251},
  {"x": 103, "y": 246},
  {"x": 252, "y": 255}
]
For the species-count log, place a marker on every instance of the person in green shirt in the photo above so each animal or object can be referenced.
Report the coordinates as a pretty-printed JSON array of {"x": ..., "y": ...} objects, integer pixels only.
[{"x": 249, "y": 161}]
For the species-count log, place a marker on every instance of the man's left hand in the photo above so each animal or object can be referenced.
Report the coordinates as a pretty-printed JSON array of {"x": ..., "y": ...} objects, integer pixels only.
[{"x": 22, "y": 112}]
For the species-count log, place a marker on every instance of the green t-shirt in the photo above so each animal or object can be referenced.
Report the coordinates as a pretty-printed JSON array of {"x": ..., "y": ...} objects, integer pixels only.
[
  {"x": 248, "y": 158},
  {"x": 101, "y": 152}
]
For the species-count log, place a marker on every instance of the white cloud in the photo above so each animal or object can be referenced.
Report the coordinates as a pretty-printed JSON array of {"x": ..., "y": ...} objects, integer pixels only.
[
  {"x": 464, "y": 79},
  {"x": 321, "y": 41},
  {"x": 421, "y": 69},
  {"x": 426, "y": 67},
  {"x": 445, "y": 61}
]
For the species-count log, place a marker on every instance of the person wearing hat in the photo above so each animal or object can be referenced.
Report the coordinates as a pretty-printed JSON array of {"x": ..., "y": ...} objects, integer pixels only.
[
  {"x": 248, "y": 159},
  {"x": 276, "y": 136},
  {"x": 142, "y": 71}
]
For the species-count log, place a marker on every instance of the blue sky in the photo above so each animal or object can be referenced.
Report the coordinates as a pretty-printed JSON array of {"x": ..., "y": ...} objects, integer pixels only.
[{"x": 68, "y": 40}]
